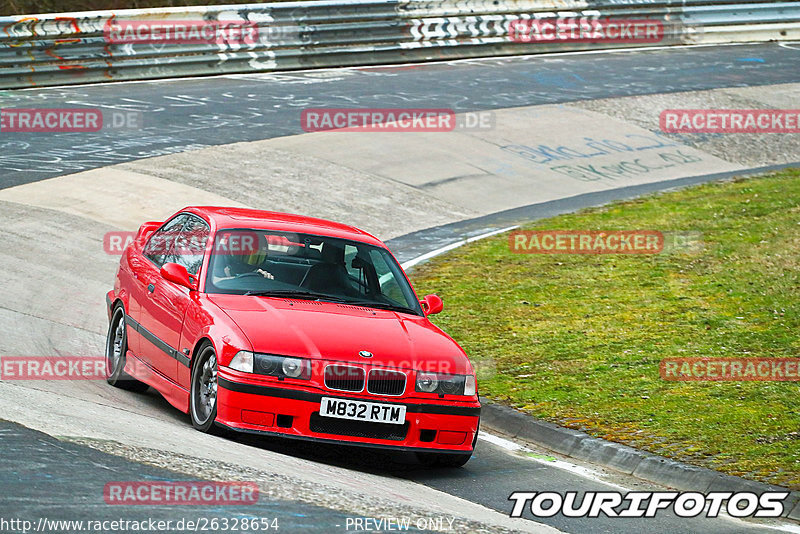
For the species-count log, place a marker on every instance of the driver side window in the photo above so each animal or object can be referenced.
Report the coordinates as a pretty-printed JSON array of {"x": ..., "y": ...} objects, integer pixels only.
[
  {"x": 190, "y": 245},
  {"x": 160, "y": 244}
]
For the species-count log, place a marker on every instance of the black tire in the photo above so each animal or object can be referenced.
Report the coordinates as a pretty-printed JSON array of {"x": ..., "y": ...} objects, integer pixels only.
[
  {"x": 203, "y": 390},
  {"x": 116, "y": 350},
  {"x": 454, "y": 460},
  {"x": 443, "y": 459}
]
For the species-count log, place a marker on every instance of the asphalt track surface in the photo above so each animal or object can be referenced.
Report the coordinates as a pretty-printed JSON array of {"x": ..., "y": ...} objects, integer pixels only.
[
  {"x": 181, "y": 114},
  {"x": 63, "y": 488}
]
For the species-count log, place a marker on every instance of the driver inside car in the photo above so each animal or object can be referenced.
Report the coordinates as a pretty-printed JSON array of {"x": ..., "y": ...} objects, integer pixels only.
[{"x": 239, "y": 262}]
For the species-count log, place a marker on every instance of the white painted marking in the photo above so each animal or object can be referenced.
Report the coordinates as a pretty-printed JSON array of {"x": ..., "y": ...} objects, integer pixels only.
[
  {"x": 784, "y": 527},
  {"x": 410, "y": 263},
  {"x": 500, "y": 442},
  {"x": 566, "y": 466}
]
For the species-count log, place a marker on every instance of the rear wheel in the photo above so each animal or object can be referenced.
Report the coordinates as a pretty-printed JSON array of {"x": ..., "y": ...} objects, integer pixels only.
[
  {"x": 116, "y": 350},
  {"x": 203, "y": 394}
]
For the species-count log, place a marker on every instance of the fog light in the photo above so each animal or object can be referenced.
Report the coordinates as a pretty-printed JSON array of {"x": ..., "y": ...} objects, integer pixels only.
[{"x": 451, "y": 438}]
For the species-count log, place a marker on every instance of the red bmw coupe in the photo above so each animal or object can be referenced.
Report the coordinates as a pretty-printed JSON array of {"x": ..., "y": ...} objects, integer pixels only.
[{"x": 286, "y": 325}]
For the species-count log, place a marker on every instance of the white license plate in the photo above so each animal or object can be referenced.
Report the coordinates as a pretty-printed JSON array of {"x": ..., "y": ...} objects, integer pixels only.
[{"x": 362, "y": 411}]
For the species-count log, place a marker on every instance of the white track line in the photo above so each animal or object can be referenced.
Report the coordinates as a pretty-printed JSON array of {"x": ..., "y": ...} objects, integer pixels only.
[
  {"x": 410, "y": 263},
  {"x": 554, "y": 462}
]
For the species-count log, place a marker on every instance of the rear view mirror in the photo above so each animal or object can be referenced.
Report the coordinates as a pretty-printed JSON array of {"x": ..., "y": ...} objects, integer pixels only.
[{"x": 432, "y": 304}]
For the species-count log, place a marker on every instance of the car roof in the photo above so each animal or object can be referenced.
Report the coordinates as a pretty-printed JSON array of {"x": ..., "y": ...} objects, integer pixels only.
[{"x": 229, "y": 217}]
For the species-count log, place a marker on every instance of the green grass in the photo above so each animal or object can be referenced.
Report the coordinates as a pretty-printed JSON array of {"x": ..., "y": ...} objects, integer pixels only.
[{"x": 577, "y": 339}]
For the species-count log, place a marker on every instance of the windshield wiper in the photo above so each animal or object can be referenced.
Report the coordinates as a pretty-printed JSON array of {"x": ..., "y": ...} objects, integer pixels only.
[
  {"x": 381, "y": 306},
  {"x": 293, "y": 293}
]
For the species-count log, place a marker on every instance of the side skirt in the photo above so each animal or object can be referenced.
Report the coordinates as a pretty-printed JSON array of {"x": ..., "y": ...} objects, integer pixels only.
[{"x": 171, "y": 391}]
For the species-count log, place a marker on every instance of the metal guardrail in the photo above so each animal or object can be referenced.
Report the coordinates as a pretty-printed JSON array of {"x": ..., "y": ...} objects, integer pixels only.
[{"x": 71, "y": 48}]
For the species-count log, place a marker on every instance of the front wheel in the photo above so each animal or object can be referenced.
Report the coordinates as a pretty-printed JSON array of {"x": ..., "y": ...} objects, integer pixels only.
[
  {"x": 116, "y": 350},
  {"x": 203, "y": 394}
]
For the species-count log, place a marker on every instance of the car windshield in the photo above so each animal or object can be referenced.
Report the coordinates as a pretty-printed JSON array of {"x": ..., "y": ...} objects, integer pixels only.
[{"x": 275, "y": 263}]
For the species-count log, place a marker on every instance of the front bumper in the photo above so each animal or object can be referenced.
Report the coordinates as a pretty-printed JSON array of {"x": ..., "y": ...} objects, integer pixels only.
[{"x": 294, "y": 412}]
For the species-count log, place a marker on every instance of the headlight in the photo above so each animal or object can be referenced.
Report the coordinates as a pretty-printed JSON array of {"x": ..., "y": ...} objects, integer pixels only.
[
  {"x": 427, "y": 382},
  {"x": 282, "y": 366},
  {"x": 445, "y": 384},
  {"x": 271, "y": 365},
  {"x": 292, "y": 367}
]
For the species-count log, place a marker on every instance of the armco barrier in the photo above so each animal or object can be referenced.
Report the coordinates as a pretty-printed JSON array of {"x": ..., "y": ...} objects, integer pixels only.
[{"x": 69, "y": 48}]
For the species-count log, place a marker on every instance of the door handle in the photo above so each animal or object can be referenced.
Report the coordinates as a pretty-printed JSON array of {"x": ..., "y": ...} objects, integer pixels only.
[{"x": 150, "y": 288}]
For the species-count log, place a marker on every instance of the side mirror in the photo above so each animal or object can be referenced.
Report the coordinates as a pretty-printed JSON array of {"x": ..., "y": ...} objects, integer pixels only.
[
  {"x": 432, "y": 304},
  {"x": 177, "y": 273}
]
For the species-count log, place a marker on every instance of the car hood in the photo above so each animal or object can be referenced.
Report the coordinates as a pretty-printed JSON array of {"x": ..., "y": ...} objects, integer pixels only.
[{"x": 339, "y": 332}]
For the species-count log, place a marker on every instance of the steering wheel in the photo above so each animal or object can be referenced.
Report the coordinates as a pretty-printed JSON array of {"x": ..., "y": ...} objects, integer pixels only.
[
  {"x": 357, "y": 281},
  {"x": 252, "y": 273}
]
